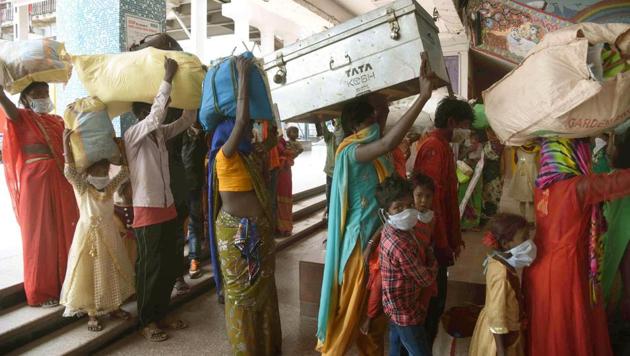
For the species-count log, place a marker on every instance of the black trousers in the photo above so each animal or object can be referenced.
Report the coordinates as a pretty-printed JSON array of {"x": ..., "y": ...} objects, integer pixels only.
[
  {"x": 156, "y": 269},
  {"x": 436, "y": 307}
]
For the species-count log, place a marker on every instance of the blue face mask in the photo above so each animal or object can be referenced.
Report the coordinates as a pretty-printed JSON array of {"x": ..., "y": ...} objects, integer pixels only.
[{"x": 41, "y": 106}]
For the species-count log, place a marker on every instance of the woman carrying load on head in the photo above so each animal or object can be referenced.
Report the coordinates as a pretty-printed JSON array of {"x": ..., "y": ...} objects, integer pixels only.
[
  {"x": 562, "y": 287},
  {"x": 43, "y": 200},
  {"x": 242, "y": 229},
  {"x": 361, "y": 163}
]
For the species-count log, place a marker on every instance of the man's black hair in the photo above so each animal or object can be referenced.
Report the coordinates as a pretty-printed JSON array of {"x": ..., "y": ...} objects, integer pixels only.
[{"x": 456, "y": 109}]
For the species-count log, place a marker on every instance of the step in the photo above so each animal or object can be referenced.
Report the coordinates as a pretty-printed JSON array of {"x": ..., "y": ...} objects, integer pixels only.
[
  {"x": 12, "y": 295},
  {"x": 74, "y": 338},
  {"x": 21, "y": 323},
  {"x": 307, "y": 207},
  {"x": 309, "y": 193},
  {"x": 302, "y": 229}
]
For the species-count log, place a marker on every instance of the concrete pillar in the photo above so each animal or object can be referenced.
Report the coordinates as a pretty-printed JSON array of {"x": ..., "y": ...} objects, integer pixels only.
[
  {"x": 95, "y": 27},
  {"x": 267, "y": 40},
  {"x": 241, "y": 28},
  {"x": 199, "y": 25},
  {"x": 21, "y": 21}
]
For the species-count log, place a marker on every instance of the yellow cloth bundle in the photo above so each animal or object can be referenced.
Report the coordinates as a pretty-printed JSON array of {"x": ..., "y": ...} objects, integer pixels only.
[
  {"x": 120, "y": 79},
  {"x": 24, "y": 62}
]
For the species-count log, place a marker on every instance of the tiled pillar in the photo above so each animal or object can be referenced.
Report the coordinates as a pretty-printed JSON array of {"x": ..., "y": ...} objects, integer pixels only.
[{"x": 96, "y": 27}]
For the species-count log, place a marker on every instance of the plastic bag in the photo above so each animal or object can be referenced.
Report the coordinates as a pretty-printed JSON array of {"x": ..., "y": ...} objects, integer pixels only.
[
  {"x": 24, "y": 62},
  {"x": 553, "y": 92},
  {"x": 220, "y": 94},
  {"x": 92, "y": 137},
  {"x": 120, "y": 79}
]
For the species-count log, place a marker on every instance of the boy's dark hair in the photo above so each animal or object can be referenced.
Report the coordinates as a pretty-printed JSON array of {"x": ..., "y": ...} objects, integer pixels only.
[
  {"x": 422, "y": 180},
  {"x": 138, "y": 107},
  {"x": 393, "y": 188},
  {"x": 456, "y": 109},
  {"x": 622, "y": 146},
  {"x": 293, "y": 128},
  {"x": 504, "y": 226},
  {"x": 354, "y": 113}
]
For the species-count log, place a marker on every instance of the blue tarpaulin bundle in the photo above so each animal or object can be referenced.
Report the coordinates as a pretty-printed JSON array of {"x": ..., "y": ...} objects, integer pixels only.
[{"x": 220, "y": 94}]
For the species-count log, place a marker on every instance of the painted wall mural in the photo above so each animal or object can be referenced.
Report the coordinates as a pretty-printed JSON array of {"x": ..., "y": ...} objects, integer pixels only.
[
  {"x": 590, "y": 10},
  {"x": 510, "y": 30}
]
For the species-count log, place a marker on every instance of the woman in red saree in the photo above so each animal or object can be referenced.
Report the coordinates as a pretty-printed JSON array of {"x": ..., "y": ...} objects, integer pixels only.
[
  {"x": 566, "y": 313},
  {"x": 43, "y": 200}
]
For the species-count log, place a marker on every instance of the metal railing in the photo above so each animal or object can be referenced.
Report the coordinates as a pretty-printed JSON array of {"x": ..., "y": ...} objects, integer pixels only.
[{"x": 44, "y": 8}]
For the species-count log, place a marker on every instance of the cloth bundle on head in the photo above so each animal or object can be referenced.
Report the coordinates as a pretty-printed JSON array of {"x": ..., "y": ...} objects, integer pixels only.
[
  {"x": 25, "y": 62},
  {"x": 562, "y": 159},
  {"x": 92, "y": 137}
]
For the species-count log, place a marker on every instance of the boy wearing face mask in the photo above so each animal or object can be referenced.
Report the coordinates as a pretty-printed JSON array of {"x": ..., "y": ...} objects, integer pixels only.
[
  {"x": 423, "y": 190},
  {"x": 407, "y": 268},
  {"x": 499, "y": 329}
]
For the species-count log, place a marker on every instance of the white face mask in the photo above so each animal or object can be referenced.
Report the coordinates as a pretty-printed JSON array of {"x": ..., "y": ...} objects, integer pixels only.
[
  {"x": 41, "y": 106},
  {"x": 599, "y": 145},
  {"x": 99, "y": 183},
  {"x": 404, "y": 220},
  {"x": 460, "y": 135},
  {"x": 425, "y": 217},
  {"x": 523, "y": 255}
]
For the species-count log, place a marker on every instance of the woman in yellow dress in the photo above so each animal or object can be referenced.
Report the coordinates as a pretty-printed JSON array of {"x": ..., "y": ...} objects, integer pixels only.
[{"x": 499, "y": 329}]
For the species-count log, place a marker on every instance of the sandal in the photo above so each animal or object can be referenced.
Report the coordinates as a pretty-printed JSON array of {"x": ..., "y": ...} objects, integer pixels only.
[
  {"x": 154, "y": 334},
  {"x": 50, "y": 303},
  {"x": 120, "y": 314},
  {"x": 181, "y": 287},
  {"x": 94, "y": 325},
  {"x": 173, "y": 324}
]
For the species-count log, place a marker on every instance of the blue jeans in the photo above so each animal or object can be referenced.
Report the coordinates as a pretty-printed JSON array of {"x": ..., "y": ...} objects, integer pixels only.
[
  {"x": 412, "y": 339},
  {"x": 195, "y": 223}
]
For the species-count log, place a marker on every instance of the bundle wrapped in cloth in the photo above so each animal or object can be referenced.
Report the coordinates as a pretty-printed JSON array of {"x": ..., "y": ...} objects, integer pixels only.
[
  {"x": 557, "y": 89},
  {"x": 220, "y": 93},
  {"x": 92, "y": 137},
  {"x": 120, "y": 79},
  {"x": 24, "y": 62}
]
